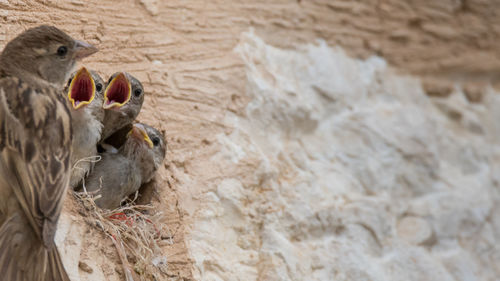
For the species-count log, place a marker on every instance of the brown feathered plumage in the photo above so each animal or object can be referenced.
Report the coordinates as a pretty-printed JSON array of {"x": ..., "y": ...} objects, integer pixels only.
[
  {"x": 120, "y": 174},
  {"x": 123, "y": 100},
  {"x": 85, "y": 95},
  {"x": 35, "y": 150}
]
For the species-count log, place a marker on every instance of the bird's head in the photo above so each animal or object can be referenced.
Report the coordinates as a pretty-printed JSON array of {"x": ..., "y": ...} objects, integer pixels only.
[
  {"x": 124, "y": 93},
  {"x": 148, "y": 146},
  {"x": 85, "y": 88},
  {"x": 43, "y": 53},
  {"x": 123, "y": 100}
]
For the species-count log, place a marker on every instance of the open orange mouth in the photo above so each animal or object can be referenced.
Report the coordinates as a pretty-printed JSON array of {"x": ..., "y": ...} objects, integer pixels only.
[
  {"x": 118, "y": 92},
  {"x": 81, "y": 89},
  {"x": 138, "y": 131}
]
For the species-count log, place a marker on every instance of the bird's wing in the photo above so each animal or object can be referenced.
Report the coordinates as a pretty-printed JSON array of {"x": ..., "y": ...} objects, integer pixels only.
[
  {"x": 23, "y": 257},
  {"x": 12, "y": 133},
  {"x": 35, "y": 126}
]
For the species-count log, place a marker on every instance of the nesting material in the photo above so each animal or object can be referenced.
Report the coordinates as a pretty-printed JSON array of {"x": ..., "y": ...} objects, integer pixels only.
[{"x": 136, "y": 231}]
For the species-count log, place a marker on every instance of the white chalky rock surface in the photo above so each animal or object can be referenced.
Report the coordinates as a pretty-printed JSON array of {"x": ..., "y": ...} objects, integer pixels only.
[
  {"x": 415, "y": 230},
  {"x": 344, "y": 158}
]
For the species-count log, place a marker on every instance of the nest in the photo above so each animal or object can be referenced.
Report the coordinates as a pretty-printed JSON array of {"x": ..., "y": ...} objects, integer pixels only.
[{"x": 136, "y": 231}]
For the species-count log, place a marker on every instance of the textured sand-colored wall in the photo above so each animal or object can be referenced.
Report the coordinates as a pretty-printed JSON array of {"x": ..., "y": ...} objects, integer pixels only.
[{"x": 223, "y": 183}]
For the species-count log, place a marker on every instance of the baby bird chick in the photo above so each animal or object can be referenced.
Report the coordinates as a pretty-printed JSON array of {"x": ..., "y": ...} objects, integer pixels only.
[
  {"x": 85, "y": 93},
  {"x": 120, "y": 174},
  {"x": 123, "y": 100}
]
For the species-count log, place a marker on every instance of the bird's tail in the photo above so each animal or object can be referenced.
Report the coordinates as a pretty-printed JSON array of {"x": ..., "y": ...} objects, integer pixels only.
[
  {"x": 23, "y": 256},
  {"x": 55, "y": 267}
]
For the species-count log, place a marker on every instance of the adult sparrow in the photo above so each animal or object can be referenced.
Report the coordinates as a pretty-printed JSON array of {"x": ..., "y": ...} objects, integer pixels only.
[{"x": 35, "y": 150}]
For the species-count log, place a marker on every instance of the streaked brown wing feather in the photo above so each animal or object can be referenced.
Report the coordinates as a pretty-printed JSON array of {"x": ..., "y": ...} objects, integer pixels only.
[
  {"x": 42, "y": 135},
  {"x": 23, "y": 257},
  {"x": 12, "y": 133}
]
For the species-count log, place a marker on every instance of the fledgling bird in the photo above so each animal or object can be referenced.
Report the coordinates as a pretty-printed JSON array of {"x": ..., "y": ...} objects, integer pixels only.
[
  {"x": 84, "y": 91},
  {"x": 120, "y": 174},
  {"x": 123, "y": 100},
  {"x": 35, "y": 150}
]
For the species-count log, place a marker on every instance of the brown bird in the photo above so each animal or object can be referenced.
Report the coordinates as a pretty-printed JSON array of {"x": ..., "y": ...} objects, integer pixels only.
[
  {"x": 35, "y": 150},
  {"x": 84, "y": 91},
  {"x": 123, "y": 100},
  {"x": 120, "y": 174}
]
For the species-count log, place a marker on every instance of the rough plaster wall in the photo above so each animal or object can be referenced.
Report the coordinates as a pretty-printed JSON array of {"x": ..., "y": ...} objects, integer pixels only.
[
  {"x": 258, "y": 205},
  {"x": 353, "y": 174}
]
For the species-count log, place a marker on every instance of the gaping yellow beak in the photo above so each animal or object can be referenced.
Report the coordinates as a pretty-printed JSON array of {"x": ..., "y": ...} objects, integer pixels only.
[
  {"x": 81, "y": 90},
  {"x": 139, "y": 132},
  {"x": 118, "y": 92}
]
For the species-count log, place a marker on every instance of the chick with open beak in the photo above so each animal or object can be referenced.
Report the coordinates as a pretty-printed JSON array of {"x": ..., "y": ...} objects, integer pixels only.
[
  {"x": 120, "y": 174},
  {"x": 123, "y": 100},
  {"x": 85, "y": 93}
]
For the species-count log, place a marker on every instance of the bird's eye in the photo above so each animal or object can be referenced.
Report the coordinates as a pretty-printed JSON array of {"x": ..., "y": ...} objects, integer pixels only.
[
  {"x": 62, "y": 51},
  {"x": 137, "y": 92},
  {"x": 98, "y": 87},
  {"x": 156, "y": 141}
]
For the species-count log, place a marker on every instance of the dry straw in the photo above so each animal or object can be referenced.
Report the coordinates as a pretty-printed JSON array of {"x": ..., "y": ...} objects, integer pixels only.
[{"x": 136, "y": 231}]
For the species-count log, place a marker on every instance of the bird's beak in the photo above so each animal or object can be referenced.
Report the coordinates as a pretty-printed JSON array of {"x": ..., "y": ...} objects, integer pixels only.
[
  {"x": 83, "y": 50},
  {"x": 138, "y": 131},
  {"x": 118, "y": 92},
  {"x": 81, "y": 89}
]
